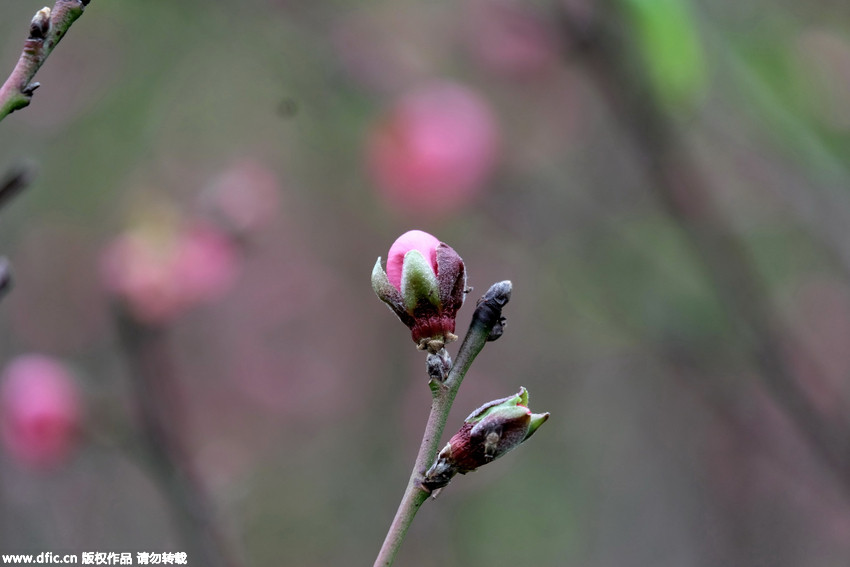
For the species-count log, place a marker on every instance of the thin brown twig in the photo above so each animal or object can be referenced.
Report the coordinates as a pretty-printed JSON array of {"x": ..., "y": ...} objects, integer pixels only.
[{"x": 47, "y": 28}]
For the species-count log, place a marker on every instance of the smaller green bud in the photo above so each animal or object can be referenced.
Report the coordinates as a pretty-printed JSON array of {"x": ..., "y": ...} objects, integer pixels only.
[{"x": 489, "y": 432}]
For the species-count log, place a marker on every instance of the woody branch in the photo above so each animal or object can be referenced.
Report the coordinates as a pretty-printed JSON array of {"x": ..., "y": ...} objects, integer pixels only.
[{"x": 47, "y": 28}]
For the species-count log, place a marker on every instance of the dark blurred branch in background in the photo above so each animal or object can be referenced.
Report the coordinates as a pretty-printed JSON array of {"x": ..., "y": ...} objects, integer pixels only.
[
  {"x": 47, "y": 28},
  {"x": 823, "y": 205},
  {"x": 13, "y": 183},
  {"x": 160, "y": 407},
  {"x": 5, "y": 276},
  {"x": 597, "y": 40}
]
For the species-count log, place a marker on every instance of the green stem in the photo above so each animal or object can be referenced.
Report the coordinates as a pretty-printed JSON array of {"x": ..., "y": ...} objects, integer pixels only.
[
  {"x": 47, "y": 28},
  {"x": 487, "y": 315}
]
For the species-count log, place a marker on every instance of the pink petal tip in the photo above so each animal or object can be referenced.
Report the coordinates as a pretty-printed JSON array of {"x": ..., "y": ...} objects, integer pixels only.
[{"x": 410, "y": 240}]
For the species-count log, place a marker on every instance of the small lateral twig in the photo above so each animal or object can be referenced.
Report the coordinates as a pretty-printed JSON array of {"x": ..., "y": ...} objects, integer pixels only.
[{"x": 47, "y": 28}]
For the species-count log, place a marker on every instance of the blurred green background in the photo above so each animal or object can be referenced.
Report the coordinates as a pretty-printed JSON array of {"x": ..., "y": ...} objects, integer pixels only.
[{"x": 304, "y": 397}]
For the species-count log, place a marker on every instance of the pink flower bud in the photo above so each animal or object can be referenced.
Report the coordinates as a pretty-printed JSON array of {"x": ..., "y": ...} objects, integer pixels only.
[
  {"x": 424, "y": 284},
  {"x": 433, "y": 151},
  {"x": 41, "y": 411}
]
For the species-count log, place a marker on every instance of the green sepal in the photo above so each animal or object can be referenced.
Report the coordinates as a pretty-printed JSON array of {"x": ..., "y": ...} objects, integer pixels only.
[
  {"x": 380, "y": 281},
  {"x": 518, "y": 399},
  {"x": 523, "y": 396},
  {"x": 537, "y": 419},
  {"x": 418, "y": 282},
  {"x": 388, "y": 293}
]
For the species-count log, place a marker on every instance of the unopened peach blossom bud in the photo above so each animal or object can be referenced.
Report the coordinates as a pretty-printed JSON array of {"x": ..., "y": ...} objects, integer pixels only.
[{"x": 424, "y": 285}]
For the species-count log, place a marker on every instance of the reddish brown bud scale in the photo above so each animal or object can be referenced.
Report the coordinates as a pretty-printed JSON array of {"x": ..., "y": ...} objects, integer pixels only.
[{"x": 466, "y": 456}]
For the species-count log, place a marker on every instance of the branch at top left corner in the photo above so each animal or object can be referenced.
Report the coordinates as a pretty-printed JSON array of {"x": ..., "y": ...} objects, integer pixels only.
[{"x": 47, "y": 28}]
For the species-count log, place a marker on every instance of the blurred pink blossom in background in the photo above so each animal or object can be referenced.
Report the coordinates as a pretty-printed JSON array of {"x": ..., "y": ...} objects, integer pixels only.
[
  {"x": 432, "y": 152},
  {"x": 507, "y": 39},
  {"x": 160, "y": 271},
  {"x": 204, "y": 263},
  {"x": 41, "y": 410},
  {"x": 245, "y": 196}
]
